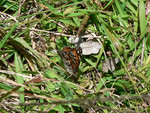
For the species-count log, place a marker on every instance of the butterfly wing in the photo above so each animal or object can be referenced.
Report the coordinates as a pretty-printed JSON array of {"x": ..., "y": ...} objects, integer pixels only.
[{"x": 71, "y": 58}]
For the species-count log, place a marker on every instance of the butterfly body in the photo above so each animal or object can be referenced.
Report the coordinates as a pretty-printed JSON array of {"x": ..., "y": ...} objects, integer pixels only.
[{"x": 71, "y": 59}]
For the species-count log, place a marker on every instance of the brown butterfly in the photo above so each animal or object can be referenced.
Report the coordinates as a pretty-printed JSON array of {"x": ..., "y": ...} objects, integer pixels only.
[{"x": 71, "y": 58}]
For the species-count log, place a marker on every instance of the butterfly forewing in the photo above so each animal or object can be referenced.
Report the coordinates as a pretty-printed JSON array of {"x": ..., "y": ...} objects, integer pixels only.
[{"x": 71, "y": 59}]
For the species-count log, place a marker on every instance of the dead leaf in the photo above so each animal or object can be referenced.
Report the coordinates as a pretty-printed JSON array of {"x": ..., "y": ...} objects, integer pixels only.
[
  {"x": 35, "y": 80},
  {"x": 90, "y": 47},
  {"x": 110, "y": 64}
]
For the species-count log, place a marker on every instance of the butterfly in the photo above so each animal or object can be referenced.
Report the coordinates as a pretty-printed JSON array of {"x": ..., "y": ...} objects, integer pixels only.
[{"x": 71, "y": 58}]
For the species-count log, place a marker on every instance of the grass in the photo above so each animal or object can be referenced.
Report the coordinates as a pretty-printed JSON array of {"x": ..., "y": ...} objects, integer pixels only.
[{"x": 32, "y": 74}]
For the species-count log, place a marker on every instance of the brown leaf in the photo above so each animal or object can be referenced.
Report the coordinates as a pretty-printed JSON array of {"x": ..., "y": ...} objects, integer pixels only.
[
  {"x": 37, "y": 79},
  {"x": 110, "y": 64}
]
